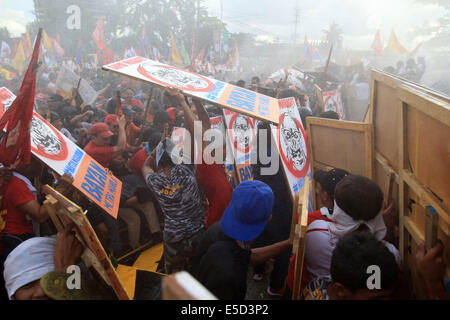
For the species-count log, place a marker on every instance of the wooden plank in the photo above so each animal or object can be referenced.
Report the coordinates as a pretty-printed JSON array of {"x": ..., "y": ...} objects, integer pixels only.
[
  {"x": 51, "y": 206},
  {"x": 435, "y": 108},
  {"x": 300, "y": 248},
  {"x": 369, "y": 150},
  {"x": 402, "y": 154},
  {"x": 431, "y": 228},
  {"x": 386, "y": 166},
  {"x": 396, "y": 81},
  {"x": 295, "y": 210},
  {"x": 414, "y": 231},
  {"x": 312, "y": 162},
  {"x": 338, "y": 124},
  {"x": 426, "y": 197}
]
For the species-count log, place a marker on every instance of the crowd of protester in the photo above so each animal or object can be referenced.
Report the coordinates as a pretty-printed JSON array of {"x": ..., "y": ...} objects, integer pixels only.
[{"x": 216, "y": 233}]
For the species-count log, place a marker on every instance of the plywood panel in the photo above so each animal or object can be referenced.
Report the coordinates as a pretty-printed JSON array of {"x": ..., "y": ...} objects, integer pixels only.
[
  {"x": 429, "y": 153},
  {"x": 339, "y": 148},
  {"x": 385, "y": 117}
]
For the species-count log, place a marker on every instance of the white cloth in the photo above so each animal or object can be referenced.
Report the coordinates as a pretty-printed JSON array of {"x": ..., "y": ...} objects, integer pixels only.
[
  {"x": 344, "y": 224},
  {"x": 28, "y": 262},
  {"x": 326, "y": 213}
]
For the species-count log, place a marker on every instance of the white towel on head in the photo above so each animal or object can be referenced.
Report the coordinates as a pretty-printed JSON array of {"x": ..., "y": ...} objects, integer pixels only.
[
  {"x": 343, "y": 224},
  {"x": 28, "y": 262}
]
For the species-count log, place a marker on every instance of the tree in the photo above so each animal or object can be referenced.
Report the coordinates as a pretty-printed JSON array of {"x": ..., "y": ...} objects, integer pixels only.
[
  {"x": 333, "y": 36},
  {"x": 4, "y": 35},
  {"x": 440, "y": 31}
]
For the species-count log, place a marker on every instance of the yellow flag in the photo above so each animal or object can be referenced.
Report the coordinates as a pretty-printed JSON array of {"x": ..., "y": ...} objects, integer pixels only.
[
  {"x": 47, "y": 43},
  {"x": 395, "y": 46},
  {"x": 19, "y": 60},
  {"x": 175, "y": 55}
]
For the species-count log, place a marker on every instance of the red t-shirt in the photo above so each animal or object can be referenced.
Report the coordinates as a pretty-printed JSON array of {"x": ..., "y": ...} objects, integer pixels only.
[
  {"x": 217, "y": 189},
  {"x": 102, "y": 155},
  {"x": 132, "y": 132},
  {"x": 15, "y": 193},
  {"x": 137, "y": 161},
  {"x": 312, "y": 216},
  {"x": 135, "y": 102}
]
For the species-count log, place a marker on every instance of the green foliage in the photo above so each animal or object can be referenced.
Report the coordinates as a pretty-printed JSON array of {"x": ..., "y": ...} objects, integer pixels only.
[{"x": 333, "y": 35}]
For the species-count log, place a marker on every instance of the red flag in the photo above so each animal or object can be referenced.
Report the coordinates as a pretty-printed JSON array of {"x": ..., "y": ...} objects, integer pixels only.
[
  {"x": 98, "y": 36},
  {"x": 15, "y": 147},
  {"x": 377, "y": 46},
  {"x": 57, "y": 47},
  {"x": 108, "y": 56}
]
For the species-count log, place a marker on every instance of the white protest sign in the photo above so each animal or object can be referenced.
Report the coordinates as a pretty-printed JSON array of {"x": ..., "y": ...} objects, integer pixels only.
[{"x": 291, "y": 140}]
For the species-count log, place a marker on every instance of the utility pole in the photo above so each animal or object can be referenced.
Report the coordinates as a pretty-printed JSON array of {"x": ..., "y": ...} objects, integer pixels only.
[{"x": 297, "y": 18}]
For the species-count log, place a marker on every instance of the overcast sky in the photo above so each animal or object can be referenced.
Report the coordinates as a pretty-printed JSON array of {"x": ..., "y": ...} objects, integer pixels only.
[{"x": 268, "y": 19}]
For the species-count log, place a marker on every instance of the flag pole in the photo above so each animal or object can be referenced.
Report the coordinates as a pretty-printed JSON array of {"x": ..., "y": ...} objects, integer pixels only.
[
  {"x": 147, "y": 110},
  {"x": 326, "y": 67}
]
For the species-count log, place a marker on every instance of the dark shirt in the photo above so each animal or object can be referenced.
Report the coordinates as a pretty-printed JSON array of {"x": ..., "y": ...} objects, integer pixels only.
[{"x": 220, "y": 264}]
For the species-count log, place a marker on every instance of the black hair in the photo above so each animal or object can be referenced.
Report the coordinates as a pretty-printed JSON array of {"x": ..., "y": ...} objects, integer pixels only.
[
  {"x": 359, "y": 197},
  {"x": 165, "y": 161},
  {"x": 330, "y": 115},
  {"x": 288, "y": 93},
  {"x": 354, "y": 254},
  {"x": 154, "y": 140},
  {"x": 329, "y": 180},
  {"x": 241, "y": 83},
  {"x": 161, "y": 117},
  {"x": 126, "y": 89}
]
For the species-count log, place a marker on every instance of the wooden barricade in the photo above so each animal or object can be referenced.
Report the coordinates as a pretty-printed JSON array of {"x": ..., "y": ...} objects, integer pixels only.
[
  {"x": 63, "y": 212},
  {"x": 340, "y": 144},
  {"x": 412, "y": 153},
  {"x": 298, "y": 235},
  {"x": 403, "y": 145}
]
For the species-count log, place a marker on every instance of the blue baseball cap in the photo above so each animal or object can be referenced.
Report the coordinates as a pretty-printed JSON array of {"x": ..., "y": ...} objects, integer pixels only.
[{"x": 248, "y": 212}]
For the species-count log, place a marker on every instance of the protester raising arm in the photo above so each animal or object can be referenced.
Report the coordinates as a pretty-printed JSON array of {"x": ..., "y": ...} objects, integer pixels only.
[
  {"x": 189, "y": 116},
  {"x": 149, "y": 164},
  {"x": 122, "y": 140},
  {"x": 80, "y": 117}
]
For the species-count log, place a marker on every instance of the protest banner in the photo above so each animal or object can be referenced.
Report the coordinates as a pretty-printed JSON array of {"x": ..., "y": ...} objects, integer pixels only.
[
  {"x": 332, "y": 101},
  {"x": 291, "y": 140},
  {"x": 63, "y": 156},
  {"x": 68, "y": 80},
  {"x": 230, "y": 170},
  {"x": 242, "y": 137},
  {"x": 206, "y": 89}
]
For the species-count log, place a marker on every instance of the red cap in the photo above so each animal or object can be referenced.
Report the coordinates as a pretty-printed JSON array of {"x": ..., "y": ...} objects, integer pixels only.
[
  {"x": 113, "y": 119},
  {"x": 172, "y": 115},
  {"x": 102, "y": 130}
]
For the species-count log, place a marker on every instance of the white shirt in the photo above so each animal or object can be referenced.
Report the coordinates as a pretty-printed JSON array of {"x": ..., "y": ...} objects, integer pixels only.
[{"x": 320, "y": 244}]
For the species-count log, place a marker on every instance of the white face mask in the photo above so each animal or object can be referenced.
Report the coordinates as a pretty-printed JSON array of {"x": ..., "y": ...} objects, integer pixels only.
[{"x": 344, "y": 224}]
